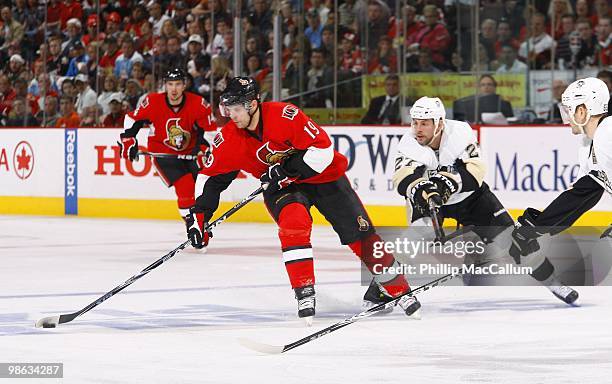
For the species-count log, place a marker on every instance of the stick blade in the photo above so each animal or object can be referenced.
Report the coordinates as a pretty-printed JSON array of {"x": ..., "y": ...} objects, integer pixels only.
[
  {"x": 261, "y": 347},
  {"x": 48, "y": 322}
]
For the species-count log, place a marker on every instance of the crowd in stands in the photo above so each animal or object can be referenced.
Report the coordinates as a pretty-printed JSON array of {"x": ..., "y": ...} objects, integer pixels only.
[{"x": 86, "y": 63}]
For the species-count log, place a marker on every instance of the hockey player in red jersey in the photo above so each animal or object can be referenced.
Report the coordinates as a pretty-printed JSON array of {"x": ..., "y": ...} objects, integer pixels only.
[
  {"x": 177, "y": 121},
  {"x": 295, "y": 161}
]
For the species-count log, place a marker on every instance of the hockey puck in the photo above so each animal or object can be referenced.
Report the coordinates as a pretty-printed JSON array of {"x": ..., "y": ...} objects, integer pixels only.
[{"x": 47, "y": 325}]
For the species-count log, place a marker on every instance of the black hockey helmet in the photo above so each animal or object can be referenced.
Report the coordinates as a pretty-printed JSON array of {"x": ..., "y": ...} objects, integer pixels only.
[
  {"x": 240, "y": 90},
  {"x": 174, "y": 74}
]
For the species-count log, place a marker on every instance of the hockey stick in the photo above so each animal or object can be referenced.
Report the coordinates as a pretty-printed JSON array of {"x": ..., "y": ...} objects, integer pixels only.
[
  {"x": 277, "y": 349},
  {"x": 433, "y": 213},
  {"x": 54, "y": 321},
  {"x": 167, "y": 155}
]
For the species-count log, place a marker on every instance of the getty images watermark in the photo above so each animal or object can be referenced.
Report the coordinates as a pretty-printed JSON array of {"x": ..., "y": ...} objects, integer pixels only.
[{"x": 408, "y": 249}]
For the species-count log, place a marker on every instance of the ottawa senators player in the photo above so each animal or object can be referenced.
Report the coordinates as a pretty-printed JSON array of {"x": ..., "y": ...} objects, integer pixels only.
[
  {"x": 295, "y": 161},
  {"x": 177, "y": 121}
]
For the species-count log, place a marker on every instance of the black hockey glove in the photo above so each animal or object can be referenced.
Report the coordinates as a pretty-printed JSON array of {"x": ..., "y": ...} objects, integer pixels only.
[
  {"x": 128, "y": 147},
  {"x": 524, "y": 235},
  {"x": 421, "y": 193},
  {"x": 198, "y": 239},
  {"x": 446, "y": 185},
  {"x": 276, "y": 178}
]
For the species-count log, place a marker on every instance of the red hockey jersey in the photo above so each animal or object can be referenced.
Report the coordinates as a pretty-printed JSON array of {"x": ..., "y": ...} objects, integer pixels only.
[
  {"x": 170, "y": 131},
  {"x": 283, "y": 130}
]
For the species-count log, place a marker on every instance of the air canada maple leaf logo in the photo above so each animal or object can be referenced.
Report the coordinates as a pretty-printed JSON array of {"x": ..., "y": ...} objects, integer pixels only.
[{"x": 23, "y": 160}]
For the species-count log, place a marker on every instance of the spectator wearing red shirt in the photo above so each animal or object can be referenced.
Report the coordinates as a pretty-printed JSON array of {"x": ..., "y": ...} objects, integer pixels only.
[
  {"x": 92, "y": 31},
  {"x": 69, "y": 118},
  {"x": 350, "y": 57},
  {"x": 604, "y": 42},
  {"x": 385, "y": 60},
  {"x": 504, "y": 37},
  {"x": 107, "y": 62},
  {"x": 407, "y": 28},
  {"x": 70, "y": 9},
  {"x": 112, "y": 25},
  {"x": 116, "y": 115},
  {"x": 434, "y": 36},
  {"x": 7, "y": 94},
  {"x": 139, "y": 16}
]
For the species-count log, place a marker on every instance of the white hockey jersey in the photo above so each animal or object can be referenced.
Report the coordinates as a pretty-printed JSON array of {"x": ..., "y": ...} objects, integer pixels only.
[
  {"x": 458, "y": 142},
  {"x": 595, "y": 156}
]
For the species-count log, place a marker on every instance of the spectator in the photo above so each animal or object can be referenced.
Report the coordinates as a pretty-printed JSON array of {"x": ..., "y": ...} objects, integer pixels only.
[
  {"x": 602, "y": 9},
  {"x": 504, "y": 37},
  {"x": 434, "y": 36},
  {"x": 556, "y": 10},
  {"x": 294, "y": 79},
  {"x": 482, "y": 64},
  {"x": 588, "y": 44},
  {"x": 425, "y": 61},
  {"x": 109, "y": 89},
  {"x": 467, "y": 109},
  {"x": 488, "y": 37},
  {"x": 73, "y": 36},
  {"x": 92, "y": 31},
  {"x": 86, "y": 97},
  {"x": 350, "y": 56},
  {"x": 90, "y": 118},
  {"x": 21, "y": 92},
  {"x": 114, "y": 118},
  {"x": 315, "y": 28},
  {"x": 44, "y": 91},
  {"x": 255, "y": 68},
  {"x": 385, "y": 110},
  {"x": 138, "y": 19},
  {"x": 536, "y": 50},
  {"x": 157, "y": 18},
  {"x": 125, "y": 61},
  {"x": 228, "y": 42},
  {"x": 138, "y": 72},
  {"x": 91, "y": 66},
  {"x": 7, "y": 94},
  {"x": 377, "y": 24},
  {"x": 69, "y": 118},
  {"x": 327, "y": 44},
  {"x": 48, "y": 115},
  {"x": 195, "y": 43},
  {"x": 554, "y": 115},
  {"x": 261, "y": 16},
  {"x": 175, "y": 56},
  {"x": 319, "y": 76},
  {"x": 216, "y": 79},
  {"x": 67, "y": 87},
  {"x": 385, "y": 60},
  {"x": 217, "y": 43},
  {"x": 20, "y": 115},
  {"x": 169, "y": 29},
  {"x": 12, "y": 31},
  {"x": 133, "y": 91},
  {"x": 144, "y": 43},
  {"x": 71, "y": 9},
  {"x": 563, "y": 52},
  {"x": 55, "y": 60},
  {"x": 111, "y": 53},
  {"x": 112, "y": 25},
  {"x": 348, "y": 13},
  {"x": 53, "y": 10},
  {"x": 606, "y": 77},
  {"x": 582, "y": 9},
  {"x": 16, "y": 67},
  {"x": 508, "y": 62},
  {"x": 411, "y": 28},
  {"x": 604, "y": 43},
  {"x": 78, "y": 60},
  {"x": 159, "y": 55}
]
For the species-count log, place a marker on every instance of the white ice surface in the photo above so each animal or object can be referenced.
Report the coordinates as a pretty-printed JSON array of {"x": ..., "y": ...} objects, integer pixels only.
[{"x": 181, "y": 322}]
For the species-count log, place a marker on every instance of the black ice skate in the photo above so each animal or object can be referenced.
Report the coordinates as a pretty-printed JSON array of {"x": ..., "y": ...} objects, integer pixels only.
[
  {"x": 376, "y": 295},
  {"x": 306, "y": 303},
  {"x": 564, "y": 293}
]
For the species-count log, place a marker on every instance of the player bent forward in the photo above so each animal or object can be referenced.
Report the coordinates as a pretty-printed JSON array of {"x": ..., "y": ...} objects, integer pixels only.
[
  {"x": 439, "y": 159},
  {"x": 584, "y": 106},
  {"x": 295, "y": 161}
]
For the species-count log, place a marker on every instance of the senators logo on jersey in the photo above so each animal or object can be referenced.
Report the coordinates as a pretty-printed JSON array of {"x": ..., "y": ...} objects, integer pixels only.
[
  {"x": 269, "y": 156},
  {"x": 178, "y": 139}
]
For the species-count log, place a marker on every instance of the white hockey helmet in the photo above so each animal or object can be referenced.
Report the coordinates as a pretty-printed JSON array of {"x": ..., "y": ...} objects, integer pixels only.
[
  {"x": 592, "y": 92},
  {"x": 429, "y": 108}
]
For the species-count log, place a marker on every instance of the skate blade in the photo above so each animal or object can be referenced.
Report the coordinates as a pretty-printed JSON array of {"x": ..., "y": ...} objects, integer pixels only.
[{"x": 195, "y": 251}]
